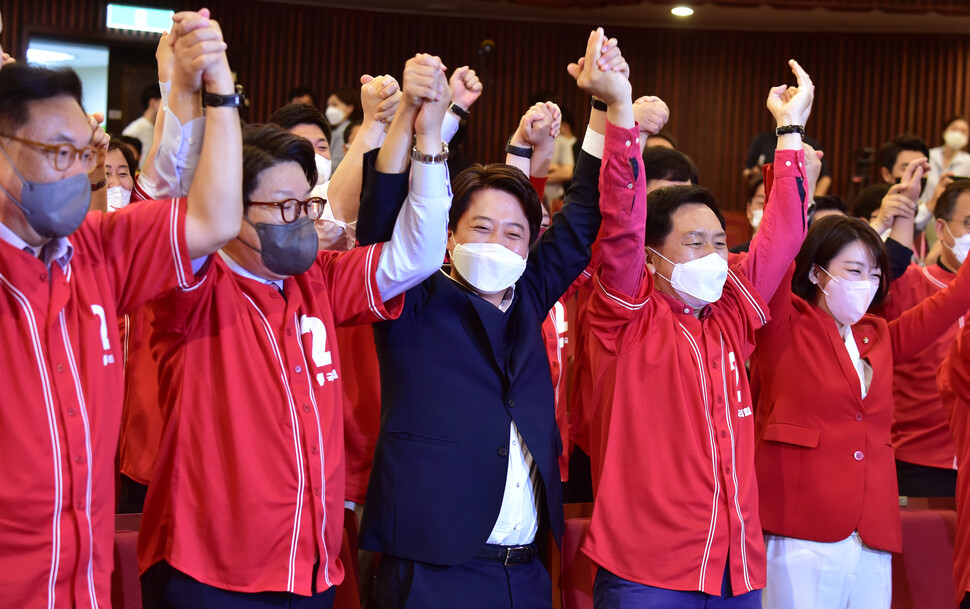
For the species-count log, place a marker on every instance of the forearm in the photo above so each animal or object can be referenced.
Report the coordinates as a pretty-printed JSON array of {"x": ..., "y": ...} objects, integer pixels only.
[
  {"x": 623, "y": 203},
  {"x": 99, "y": 197},
  {"x": 541, "y": 160},
  {"x": 395, "y": 153},
  {"x": 784, "y": 225},
  {"x": 148, "y": 164},
  {"x": 822, "y": 186},
  {"x": 345, "y": 184},
  {"x": 902, "y": 231},
  {"x": 918, "y": 327},
  {"x": 215, "y": 197},
  {"x": 417, "y": 246},
  {"x": 560, "y": 173}
]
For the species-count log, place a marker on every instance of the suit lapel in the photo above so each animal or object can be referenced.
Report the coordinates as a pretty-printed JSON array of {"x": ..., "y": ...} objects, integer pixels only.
[
  {"x": 849, "y": 371},
  {"x": 489, "y": 319}
]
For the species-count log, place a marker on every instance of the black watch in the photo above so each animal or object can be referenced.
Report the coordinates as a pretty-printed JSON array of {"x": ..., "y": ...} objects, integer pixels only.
[
  {"x": 598, "y": 104},
  {"x": 525, "y": 153},
  {"x": 780, "y": 131},
  {"x": 214, "y": 100}
]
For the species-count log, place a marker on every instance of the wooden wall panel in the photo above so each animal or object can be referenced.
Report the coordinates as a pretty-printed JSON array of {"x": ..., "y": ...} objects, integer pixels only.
[{"x": 869, "y": 86}]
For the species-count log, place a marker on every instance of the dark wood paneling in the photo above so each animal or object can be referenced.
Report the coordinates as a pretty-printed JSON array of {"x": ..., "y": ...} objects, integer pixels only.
[{"x": 869, "y": 87}]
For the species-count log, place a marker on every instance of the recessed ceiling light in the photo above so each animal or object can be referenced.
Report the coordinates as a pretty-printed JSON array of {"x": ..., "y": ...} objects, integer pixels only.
[
  {"x": 45, "y": 56},
  {"x": 682, "y": 11}
]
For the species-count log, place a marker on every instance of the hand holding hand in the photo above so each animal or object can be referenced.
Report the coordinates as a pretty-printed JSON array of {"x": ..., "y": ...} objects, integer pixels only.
[
  {"x": 432, "y": 112},
  {"x": 611, "y": 85},
  {"x": 651, "y": 113},
  {"x": 379, "y": 97},
  {"x": 792, "y": 105},
  {"x": 165, "y": 58},
  {"x": 423, "y": 80},
  {"x": 910, "y": 185},
  {"x": 200, "y": 54},
  {"x": 466, "y": 88}
]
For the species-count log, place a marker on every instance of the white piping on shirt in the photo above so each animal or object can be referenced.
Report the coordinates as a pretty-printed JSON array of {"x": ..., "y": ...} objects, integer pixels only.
[{"x": 734, "y": 471}]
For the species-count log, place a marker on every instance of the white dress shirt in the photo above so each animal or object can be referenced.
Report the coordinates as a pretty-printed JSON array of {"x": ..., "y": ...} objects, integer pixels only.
[{"x": 862, "y": 367}]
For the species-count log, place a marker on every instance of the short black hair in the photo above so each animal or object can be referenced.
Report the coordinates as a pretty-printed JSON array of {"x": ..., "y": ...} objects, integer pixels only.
[
  {"x": 23, "y": 83},
  {"x": 497, "y": 176},
  {"x": 661, "y": 163},
  {"x": 904, "y": 141},
  {"x": 265, "y": 146},
  {"x": 953, "y": 119},
  {"x": 869, "y": 200},
  {"x": 831, "y": 203},
  {"x": 291, "y": 115},
  {"x": 948, "y": 199},
  {"x": 665, "y": 135},
  {"x": 300, "y": 91},
  {"x": 663, "y": 202},
  {"x": 350, "y": 126},
  {"x": 126, "y": 151},
  {"x": 149, "y": 93},
  {"x": 351, "y": 97},
  {"x": 133, "y": 142},
  {"x": 825, "y": 239}
]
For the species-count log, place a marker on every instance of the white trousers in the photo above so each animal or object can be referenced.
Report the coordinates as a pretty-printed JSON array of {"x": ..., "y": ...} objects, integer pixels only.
[{"x": 845, "y": 574}]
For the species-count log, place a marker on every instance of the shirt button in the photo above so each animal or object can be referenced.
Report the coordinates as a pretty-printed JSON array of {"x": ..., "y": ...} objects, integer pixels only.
[
  {"x": 79, "y": 506},
  {"x": 316, "y": 491},
  {"x": 511, "y": 403},
  {"x": 788, "y": 163},
  {"x": 60, "y": 367},
  {"x": 723, "y": 434},
  {"x": 686, "y": 311},
  {"x": 858, "y": 416},
  {"x": 728, "y": 469},
  {"x": 273, "y": 293},
  {"x": 627, "y": 143},
  {"x": 503, "y": 452},
  {"x": 289, "y": 331},
  {"x": 720, "y": 400},
  {"x": 306, "y": 408},
  {"x": 858, "y": 455},
  {"x": 714, "y": 365},
  {"x": 79, "y": 460},
  {"x": 629, "y": 184},
  {"x": 298, "y": 369},
  {"x": 70, "y": 412},
  {"x": 43, "y": 276},
  {"x": 314, "y": 449}
]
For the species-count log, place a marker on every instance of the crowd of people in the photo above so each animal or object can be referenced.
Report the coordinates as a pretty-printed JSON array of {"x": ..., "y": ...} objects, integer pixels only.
[{"x": 248, "y": 328}]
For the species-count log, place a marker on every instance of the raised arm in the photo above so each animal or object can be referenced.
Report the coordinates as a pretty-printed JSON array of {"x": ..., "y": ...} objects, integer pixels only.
[
  {"x": 379, "y": 98},
  {"x": 903, "y": 198},
  {"x": 785, "y": 222},
  {"x": 421, "y": 82},
  {"x": 466, "y": 88},
  {"x": 214, "y": 211},
  {"x": 418, "y": 243},
  {"x": 99, "y": 139}
]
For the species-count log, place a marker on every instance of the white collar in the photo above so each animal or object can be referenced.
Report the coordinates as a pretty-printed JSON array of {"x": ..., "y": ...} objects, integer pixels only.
[
  {"x": 59, "y": 249},
  {"x": 238, "y": 269}
]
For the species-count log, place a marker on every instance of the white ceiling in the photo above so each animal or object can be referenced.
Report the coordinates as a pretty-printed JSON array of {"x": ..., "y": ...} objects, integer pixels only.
[{"x": 706, "y": 16}]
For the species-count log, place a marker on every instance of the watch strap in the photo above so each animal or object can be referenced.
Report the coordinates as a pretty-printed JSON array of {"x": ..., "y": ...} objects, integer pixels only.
[
  {"x": 430, "y": 159},
  {"x": 214, "y": 100},
  {"x": 786, "y": 129},
  {"x": 458, "y": 111},
  {"x": 99, "y": 184},
  {"x": 598, "y": 104},
  {"x": 525, "y": 153}
]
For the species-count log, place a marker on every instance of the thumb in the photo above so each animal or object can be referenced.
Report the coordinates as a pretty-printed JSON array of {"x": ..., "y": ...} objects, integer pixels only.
[
  {"x": 460, "y": 72},
  {"x": 573, "y": 70},
  {"x": 366, "y": 78}
]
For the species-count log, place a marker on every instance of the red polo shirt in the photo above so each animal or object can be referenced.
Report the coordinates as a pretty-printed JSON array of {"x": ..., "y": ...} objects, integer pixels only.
[
  {"x": 62, "y": 398},
  {"x": 249, "y": 481},
  {"x": 954, "y": 388},
  {"x": 920, "y": 431}
]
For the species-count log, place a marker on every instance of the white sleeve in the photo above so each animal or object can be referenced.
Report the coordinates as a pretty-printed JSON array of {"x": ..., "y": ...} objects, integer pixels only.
[
  {"x": 417, "y": 246},
  {"x": 449, "y": 126},
  {"x": 176, "y": 158}
]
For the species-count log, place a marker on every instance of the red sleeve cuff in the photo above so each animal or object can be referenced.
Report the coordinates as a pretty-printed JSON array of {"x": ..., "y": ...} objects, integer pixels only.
[
  {"x": 789, "y": 163},
  {"x": 622, "y": 141}
]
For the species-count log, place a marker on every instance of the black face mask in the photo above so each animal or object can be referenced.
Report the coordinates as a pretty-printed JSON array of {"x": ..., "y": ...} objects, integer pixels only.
[{"x": 286, "y": 249}]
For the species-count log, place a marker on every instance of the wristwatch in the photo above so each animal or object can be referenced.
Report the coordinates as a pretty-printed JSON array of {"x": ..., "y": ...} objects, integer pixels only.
[
  {"x": 799, "y": 129},
  {"x": 598, "y": 104},
  {"x": 99, "y": 184},
  {"x": 525, "y": 153},
  {"x": 214, "y": 100},
  {"x": 430, "y": 159},
  {"x": 458, "y": 110}
]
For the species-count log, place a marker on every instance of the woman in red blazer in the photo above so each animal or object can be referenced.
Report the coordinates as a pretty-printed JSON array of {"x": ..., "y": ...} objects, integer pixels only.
[{"x": 822, "y": 385}]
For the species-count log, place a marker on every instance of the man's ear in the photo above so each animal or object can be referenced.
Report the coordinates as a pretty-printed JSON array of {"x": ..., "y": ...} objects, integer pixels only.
[{"x": 649, "y": 260}]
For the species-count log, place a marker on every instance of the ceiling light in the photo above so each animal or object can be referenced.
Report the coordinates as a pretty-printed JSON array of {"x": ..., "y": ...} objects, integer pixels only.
[
  {"x": 682, "y": 11},
  {"x": 45, "y": 56}
]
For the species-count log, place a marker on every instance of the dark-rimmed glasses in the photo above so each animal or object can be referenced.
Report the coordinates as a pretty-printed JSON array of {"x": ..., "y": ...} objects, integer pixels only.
[
  {"x": 62, "y": 156},
  {"x": 290, "y": 209}
]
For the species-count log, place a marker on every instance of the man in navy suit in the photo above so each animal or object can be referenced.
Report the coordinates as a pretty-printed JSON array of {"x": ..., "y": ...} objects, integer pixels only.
[{"x": 466, "y": 463}]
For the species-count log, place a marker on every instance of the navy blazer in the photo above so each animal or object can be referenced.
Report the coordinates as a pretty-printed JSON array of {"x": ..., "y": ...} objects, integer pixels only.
[{"x": 455, "y": 372}]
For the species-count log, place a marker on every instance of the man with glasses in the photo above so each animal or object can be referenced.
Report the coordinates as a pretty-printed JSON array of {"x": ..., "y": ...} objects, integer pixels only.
[
  {"x": 246, "y": 506},
  {"x": 65, "y": 277}
]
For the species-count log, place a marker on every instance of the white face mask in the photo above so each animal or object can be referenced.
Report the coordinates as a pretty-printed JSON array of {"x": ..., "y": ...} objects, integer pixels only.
[
  {"x": 756, "y": 215},
  {"x": 334, "y": 114},
  {"x": 848, "y": 300},
  {"x": 961, "y": 245},
  {"x": 490, "y": 268},
  {"x": 955, "y": 140},
  {"x": 323, "y": 168},
  {"x": 118, "y": 197},
  {"x": 698, "y": 282}
]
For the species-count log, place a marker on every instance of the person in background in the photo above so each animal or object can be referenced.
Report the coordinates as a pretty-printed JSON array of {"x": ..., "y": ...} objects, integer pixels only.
[
  {"x": 119, "y": 169},
  {"x": 143, "y": 127},
  {"x": 828, "y": 205},
  {"x": 754, "y": 209},
  {"x": 762, "y": 150},
  {"x": 350, "y": 132},
  {"x": 301, "y": 95},
  {"x": 951, "y": 159},
  {"x": 664, "y": 139},
  {"x": 343, "y": 106},
  {"x": 135, "y": 144},
  {"x": 922, "y": 442}
]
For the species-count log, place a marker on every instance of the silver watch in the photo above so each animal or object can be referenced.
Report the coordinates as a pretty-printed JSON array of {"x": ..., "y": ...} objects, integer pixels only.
[{"x": 430, "y": 159}]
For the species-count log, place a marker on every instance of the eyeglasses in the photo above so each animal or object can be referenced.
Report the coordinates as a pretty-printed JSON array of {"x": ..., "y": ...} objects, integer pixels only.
[
  {"x": 290, "y": 209},
  {"x": 62, "y": 156}
]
